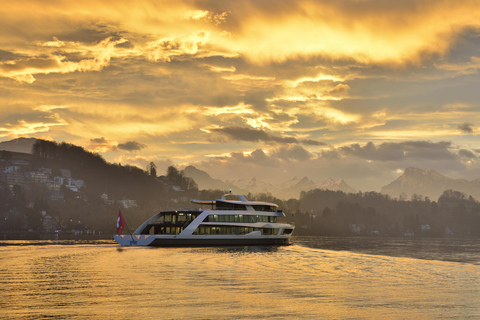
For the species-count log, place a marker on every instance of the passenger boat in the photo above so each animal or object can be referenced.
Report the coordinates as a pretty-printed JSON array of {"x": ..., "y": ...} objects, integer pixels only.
[{"x": 228, "y": 222}]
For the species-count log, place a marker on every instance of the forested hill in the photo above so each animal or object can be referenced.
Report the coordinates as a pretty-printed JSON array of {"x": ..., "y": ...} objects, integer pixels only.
[
  {"x": 116, "y": 180},
  {"x": 37, "y": 184}
]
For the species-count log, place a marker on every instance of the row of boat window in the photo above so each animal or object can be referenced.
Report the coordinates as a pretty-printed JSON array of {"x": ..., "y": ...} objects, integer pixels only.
[
  {"x": 226, "y": 230},
  {"x": 223, "y": 230},
  {"x": 237, "y": 206},
  {"x": 239, "y": 218},
  {"x": 174, "y": 218}
]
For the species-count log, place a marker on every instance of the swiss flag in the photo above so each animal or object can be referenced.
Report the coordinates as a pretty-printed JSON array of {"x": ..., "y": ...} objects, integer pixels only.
[{"x": 120, "y": 223}]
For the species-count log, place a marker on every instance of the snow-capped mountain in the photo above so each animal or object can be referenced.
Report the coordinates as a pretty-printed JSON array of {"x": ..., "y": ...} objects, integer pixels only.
[
  {"x": 427, "y": 182},
  {"x": 286, "y": 190}
]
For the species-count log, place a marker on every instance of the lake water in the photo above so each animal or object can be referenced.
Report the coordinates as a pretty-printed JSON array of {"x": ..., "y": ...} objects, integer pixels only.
[{"x": 315, "y": 278}]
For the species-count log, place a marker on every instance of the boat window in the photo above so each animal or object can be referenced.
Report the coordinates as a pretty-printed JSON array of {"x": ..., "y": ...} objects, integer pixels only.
[
  {"x": 287, "y": 231},
  {"x": 262, "y": 207},
  {"x": 222, "y": 230},
  {"x": 239, "y": 218},
  {"x": 168, "y": 217},
  {"x": 270, "y": 231},
  {"x": 229, "y": 206},
  {"x": 182, "y": 217}
]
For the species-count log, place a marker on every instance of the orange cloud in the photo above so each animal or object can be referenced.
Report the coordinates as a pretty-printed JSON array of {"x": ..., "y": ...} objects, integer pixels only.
[
  {"x": 367, "y": 31},
  {"x": 24, "y": 70}
]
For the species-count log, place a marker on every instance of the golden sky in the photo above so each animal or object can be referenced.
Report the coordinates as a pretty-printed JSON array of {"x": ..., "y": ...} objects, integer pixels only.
[{"x": 352, "y": 89}]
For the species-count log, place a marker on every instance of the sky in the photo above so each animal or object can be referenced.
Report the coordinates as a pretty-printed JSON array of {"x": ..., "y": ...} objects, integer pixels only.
[{"x": 348, "y": 89}]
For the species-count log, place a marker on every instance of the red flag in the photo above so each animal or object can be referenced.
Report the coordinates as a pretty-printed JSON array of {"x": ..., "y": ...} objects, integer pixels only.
[{"x": 120, "y": 223}]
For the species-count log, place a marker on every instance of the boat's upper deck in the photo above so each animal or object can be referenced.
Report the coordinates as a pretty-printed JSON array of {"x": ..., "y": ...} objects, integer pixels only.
[{"x": 241, "y": 204}]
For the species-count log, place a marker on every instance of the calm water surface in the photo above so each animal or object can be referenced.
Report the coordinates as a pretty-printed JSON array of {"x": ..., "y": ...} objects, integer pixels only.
[{"x": 316, "y": 278}]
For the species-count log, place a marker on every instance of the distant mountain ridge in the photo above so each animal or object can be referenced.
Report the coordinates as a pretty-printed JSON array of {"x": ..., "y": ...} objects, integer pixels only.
[
  {"x": 22, "y": 145},
  {"x": 427, "y": 182},
  {"x": 286, "y": 190}
]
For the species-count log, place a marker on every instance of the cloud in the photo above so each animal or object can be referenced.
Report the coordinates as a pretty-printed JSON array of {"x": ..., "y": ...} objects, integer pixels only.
[
  {"x": 282, "y": 78},
  {"x": 131, "y": 146},
  {"x": 166, "y": 48},
  {"x": 23, "y": 70},
  {"x": 465, "y": 127},
  {"x": 340, "y": 90},
  {"x": 401, "y": 151},
  {"x": 395, "y": 32},
  {"x": 103, "y": 145},
  {"x": 98, "y": 145},
  {"x": 470, "y": 67},
  {"x": 253, "y": 135},
  {"x": 294, "y": 152},
  {"x": 247, "y": 134},
  {"x": 205, "y": 15},
  {"x": 467, "y": 154},
  {"x": 254, "y": 159}
]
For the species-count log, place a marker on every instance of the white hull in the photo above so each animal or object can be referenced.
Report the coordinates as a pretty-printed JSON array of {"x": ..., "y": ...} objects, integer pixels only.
[{"x": 212, "y": 240}]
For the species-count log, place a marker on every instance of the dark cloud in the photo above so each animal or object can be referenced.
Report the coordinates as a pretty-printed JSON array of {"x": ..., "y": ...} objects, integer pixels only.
[
  {"x": 91, "y": 34},
  {"x": 247, "y": 134},
  {"x": 313, "y": 143},
  {"x": 257, "y": 158},
  {"x": 99, "y": 140},
  {"x": 295, "y": 152},
  {"x": 330, "y": 154},
  {"x": 465, "y": 127},
  {"x": 131, "y": 146},
  {"x": 467, "y": 154},
  {"x": 401, "y": 151},
  {"x": 7, "y": 55}
]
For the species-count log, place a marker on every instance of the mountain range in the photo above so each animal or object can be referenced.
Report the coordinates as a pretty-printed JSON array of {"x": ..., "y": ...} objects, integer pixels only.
[
  {"x": 427, "y": 182},
  {"x": 424, "y": 182},
  {"x": 286, "y": 190},
  {"x": 22, "y": 145}
]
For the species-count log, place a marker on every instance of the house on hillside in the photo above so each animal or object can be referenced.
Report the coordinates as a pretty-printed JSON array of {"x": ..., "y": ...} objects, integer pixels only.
[
  {"x": 128, "y": 203},
  {"x": 66, "y": 173}
]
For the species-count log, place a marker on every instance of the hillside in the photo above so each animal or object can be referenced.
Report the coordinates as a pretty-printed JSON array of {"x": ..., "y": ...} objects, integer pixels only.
[{"x": 78, "y": 190}]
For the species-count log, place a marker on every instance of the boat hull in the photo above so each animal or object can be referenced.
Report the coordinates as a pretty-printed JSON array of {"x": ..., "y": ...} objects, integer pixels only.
[
  {"x": 199, "y": 242},
  {"x": 218, "y": 242}
]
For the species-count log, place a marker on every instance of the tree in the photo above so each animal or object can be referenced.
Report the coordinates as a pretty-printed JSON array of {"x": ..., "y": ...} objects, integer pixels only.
[{"x": 152, "y": 169}]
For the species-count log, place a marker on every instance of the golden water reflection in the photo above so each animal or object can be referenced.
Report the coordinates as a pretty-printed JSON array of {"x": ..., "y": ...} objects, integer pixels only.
[{"x": 110, "y": 282}]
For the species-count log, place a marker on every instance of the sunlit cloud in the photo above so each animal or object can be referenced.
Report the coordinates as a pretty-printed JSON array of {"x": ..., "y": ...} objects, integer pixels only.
[
  {"x": 241, "y": 109},
  {"x": 205, "y": 15},
  {"x": 24, "y": 70},
  {"x": 257, "y": 86},
  {"x": 55, "y": 43},
  {"x": 319, "y": 77},
  {"x": 375, "y": 35},
  {"x": 24, "y": 128},
  {"x": 50, "y": 108},
  {"x": 98, "y": 145},
  {"x": 245, "y": 82},
  {"x": 166, "y": 48}
]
